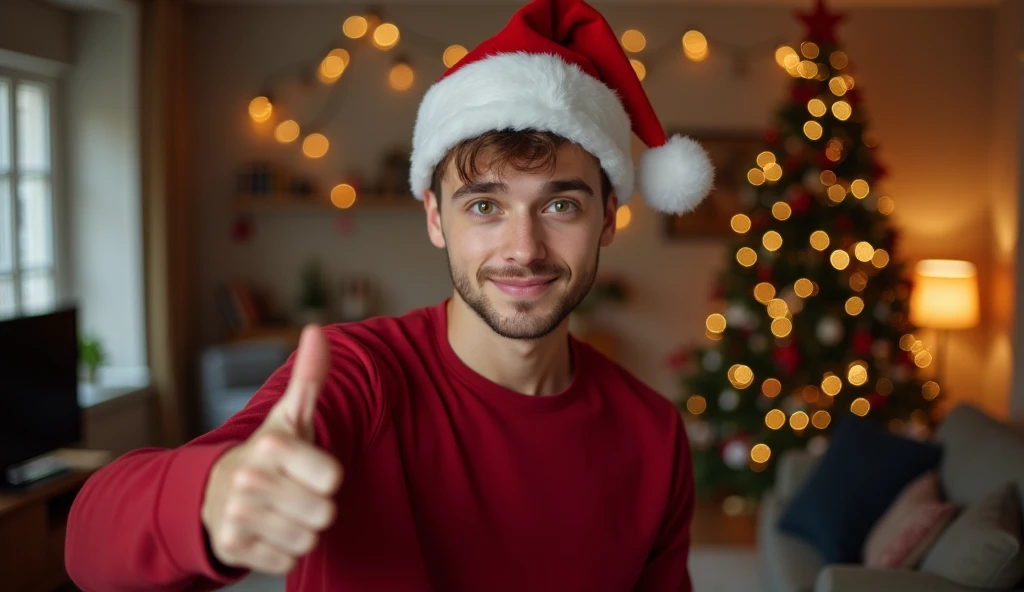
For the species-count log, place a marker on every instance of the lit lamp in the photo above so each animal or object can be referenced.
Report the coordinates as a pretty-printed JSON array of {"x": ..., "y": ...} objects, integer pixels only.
[{"x": 945, "y": 297}]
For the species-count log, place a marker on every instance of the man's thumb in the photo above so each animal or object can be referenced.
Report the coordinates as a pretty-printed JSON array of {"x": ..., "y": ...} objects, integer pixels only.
[{"x": 296, "y": 409}]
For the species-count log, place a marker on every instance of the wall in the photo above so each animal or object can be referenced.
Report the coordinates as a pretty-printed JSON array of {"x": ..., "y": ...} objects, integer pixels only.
[
  {"x": 928, "y": 87},
  {"x": 38, "y": 29},
  {"x": 103, "y": 184}
]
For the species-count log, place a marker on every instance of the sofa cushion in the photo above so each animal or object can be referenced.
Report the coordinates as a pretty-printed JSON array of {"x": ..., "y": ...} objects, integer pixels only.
[
  {"x": 982, "y": 547},
  {"x": 910, "y": 526},
  {"x": 861, "y": 473},
  {"x": 788, "y": 563}
]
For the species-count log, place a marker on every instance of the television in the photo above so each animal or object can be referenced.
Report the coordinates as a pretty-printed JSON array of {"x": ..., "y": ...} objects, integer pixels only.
[{"x": 39, "y": 410}]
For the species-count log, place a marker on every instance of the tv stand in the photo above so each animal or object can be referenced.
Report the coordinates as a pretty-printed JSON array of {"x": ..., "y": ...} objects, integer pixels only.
[{"x": 33, "y": 522}]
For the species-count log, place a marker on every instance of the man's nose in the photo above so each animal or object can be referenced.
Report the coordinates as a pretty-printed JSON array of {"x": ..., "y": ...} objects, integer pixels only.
[{"x": 523, "y": 239}]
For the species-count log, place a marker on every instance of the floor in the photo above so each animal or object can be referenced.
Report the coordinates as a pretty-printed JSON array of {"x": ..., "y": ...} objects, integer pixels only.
[{"x": 713, "y": 569}]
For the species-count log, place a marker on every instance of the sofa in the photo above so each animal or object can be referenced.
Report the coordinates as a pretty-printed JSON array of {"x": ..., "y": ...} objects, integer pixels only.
[
  {"x": 231, "y": 373},
  {"x": 979, "y": 454}
]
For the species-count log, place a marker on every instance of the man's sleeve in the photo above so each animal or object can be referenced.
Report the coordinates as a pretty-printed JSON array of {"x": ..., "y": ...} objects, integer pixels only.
[
  {"x": 667, "y": 568},
  {"x": 136, "y": 523}
]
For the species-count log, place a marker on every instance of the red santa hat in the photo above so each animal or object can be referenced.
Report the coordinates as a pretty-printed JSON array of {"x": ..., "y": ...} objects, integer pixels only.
[{"x": 557, "y": 66}]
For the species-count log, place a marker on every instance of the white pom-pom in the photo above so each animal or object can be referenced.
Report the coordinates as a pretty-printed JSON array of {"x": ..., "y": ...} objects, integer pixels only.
[{"x": 675, "y": 177}]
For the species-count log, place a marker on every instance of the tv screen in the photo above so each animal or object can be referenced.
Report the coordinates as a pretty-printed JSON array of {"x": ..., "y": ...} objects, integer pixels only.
[{"x": 39, "y": 409}]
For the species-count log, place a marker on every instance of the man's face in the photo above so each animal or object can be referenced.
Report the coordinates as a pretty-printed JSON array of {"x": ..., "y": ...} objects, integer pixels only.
[{"x": 523, "y": 249}]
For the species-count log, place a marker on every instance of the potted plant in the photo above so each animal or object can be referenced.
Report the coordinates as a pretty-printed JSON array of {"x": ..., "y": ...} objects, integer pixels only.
[{"x": 92, "y": 355}]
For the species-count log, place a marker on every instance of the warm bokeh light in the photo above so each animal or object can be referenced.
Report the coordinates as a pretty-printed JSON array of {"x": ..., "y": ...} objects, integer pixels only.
[
  {"x": 821, "y": 419},
  {"x": 453, "y": 54},
  {"x": 923, "y": 359},
  {"x": 386, "y": 36},
  {"x": 763, "y": 292},
  {"x": 945, "y": 295},
  {"x": 880, "y": 259},
  {"x": 819, "y": 240},
  {"x": 623, "y": 216},
  {"x": 695, "y": 45},
  {"x": 633, "y": 41},
  {"x": 886, "y": 205},
  {"x": 863, "y": 251},
  {"x": 401, "y": 77},
  {"x": 746, "y": 257},
  {"x": 777, "y": 308},
  {"x": 831, "y": 385},
  {"x": 741, "y": 376},
  {"x": 765, "y": 158},
  {"x": 840, "y": 259},
  {"x": 803, "y": 287},
  {"x": 740, "y": 223},
  {"x": 857, "y": 374},
  {"x": 838, "y": 86},
  {"x": 781, "y": 210},
  {"x": 798, "y": 421},
  {"x": 813, "y": 130},
  {"x": 315, "y": 145},
  {"x": 772, "y": 240},
  {"x": 836, "y": 193},
  {"x": 638, "y": 67},
  {"x": 860, "y": 188},
  {"x": 696, "y": 404},
  {"x": 860, "y": 406},
  {"x": 260, "y": 109},
  {"x": 807, "y": 69},
  {"x": 782, "y": 327},
  {"x": 848, "y": 81},
  {"x": 355, "y": 27},
  {"x": 786, "y": 56},
  {"x": 827, "y": 177},
  {"x": 858, "y": 281},
  {"x": 332, "y": 66},
  {"x": 716, "y": 323},
  {"x": 930, "y": 390},
  {"x": 760, "y": 453},
  {"x": 838, "y": 60},
  {"x": 842, "y": 110},
  {"x": 816, "y": 107},
  {"x": 907, "y": 341},
  {"x": 286, "y": 131},
  {"x": 771, "y": 388},
  {"x": 775, "y": 419},
  {"x": 773, "y": 172},
  {"x": 809, "y": 49},
  {"x": 343, "y": 196},
  {"x": 918, "y": 346},
  {"x": 854, "y": 306},
  {"x": 755, "y": 176}
]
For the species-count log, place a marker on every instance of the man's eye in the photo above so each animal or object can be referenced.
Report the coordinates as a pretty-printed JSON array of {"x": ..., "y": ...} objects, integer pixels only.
[
  {"x": 562, "y": 206},
  {"x": 483, "y": 207}
]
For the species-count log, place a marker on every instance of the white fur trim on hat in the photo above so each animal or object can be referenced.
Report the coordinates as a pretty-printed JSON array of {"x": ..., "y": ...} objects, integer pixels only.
[
  {"x": 676, "y": 176},
  {"x": 520, "y": 91}
]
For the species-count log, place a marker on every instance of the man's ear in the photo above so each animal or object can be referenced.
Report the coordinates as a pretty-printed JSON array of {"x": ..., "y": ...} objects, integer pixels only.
[
  {"x": 611, "y": 209},
  {"x": 433, "y": 218}
]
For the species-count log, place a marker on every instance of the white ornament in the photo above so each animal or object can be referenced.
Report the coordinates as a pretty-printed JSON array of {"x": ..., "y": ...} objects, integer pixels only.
[
  {"x": 812, "y": 180},
  {"x": 700, "y": 433},
  {"x": 758, "y": 343},
  {"x": 817, "y": 445},
  {"x": 712, "y": 361},
  {"x": 736, "y": 454},
  {"x": 728, "y": 400},
  {"x": 829, "y": 331},
  {"x": 739, "y": 316}
]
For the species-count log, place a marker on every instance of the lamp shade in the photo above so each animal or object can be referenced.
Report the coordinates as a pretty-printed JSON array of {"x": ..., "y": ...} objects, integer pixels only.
[{"x": 945, "y": 294}]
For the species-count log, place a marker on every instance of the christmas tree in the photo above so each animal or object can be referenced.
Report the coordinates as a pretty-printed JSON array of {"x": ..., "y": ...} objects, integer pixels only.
[{"x": 812, "y": 320}]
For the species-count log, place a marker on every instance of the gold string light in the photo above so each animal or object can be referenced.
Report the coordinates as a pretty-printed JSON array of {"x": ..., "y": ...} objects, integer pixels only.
[
  {"x": 860, "y": 188},
  {"x": 827, "y": 177},
  {"x": 633, "y": 41},
  {"x": 355, "y": 27},
  {"x": 786, "y": 57},
  {"x": 798, "y": 421},
  {"x": 623, "y": 216},
  {"x": 763, "y": 292},
  {"x": 838, "y": 60},
  {"x": 765, "y": 158},
  {"x": 343, "y": 196},
  {"x": 840, "y": 259},
  {"x": 803, "y": 287},
  {"x": 836, "y": 193},
  {"x": 777, "y": 308},
  {"x": 452, "y": 54},
  {"x": 386, "y": 36},
  {"x": 886, "y": 205},
  {"x": 813, "y": 130},
  {"x": 760, "y": 453},
  {"x": 315, "y": 145},
  {"x": 819, "y": 240},
  {"x": 740, "y": 376},
  {"x": 838, "y": 86},
  {"x": 260, "y": 109},
  {"x": 858, "y": 281},
  {"x": 755, "y": 177},
  {"x": 842, "y": 110},
  {"x": 740, "y": 223},
  {"x": 863, "y": 251},
  {"x": 821, "y": 419},
  {"x": 638, "y": 67},
  {"x": 287, "y": 131},
  {"x": 695, "y": 45},
  {"x": 772, "y": 240},
  {"x": 771, "y": 388},
  {"x": 775, "y": 419},
  {"x": 857, "y": 374},
  {"x": 401, "y": 77},
  {"x": 696, "y": 404},
  {"x": 907, "y": 341},
  {"x": 930, "y": 390},
  {"x": 880, "y": 258},
  {"x": 860, "y": 406},
  {"x": 773, "y": 172},
  {"x": 816, "y": 107},
  {"x": 809, "y": 49},
  {"x": 782, "y": 327},
  {"x": 746, "y": 257},
  {"x": 716, "y": 323},
  {"x": 831, "y": 385},
  {"x": 854, "y": 306},
  {"x": 781, "y": 210}
]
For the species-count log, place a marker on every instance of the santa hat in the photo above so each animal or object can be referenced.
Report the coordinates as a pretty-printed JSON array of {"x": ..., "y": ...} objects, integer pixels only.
[{"x": 557, "y": 66}]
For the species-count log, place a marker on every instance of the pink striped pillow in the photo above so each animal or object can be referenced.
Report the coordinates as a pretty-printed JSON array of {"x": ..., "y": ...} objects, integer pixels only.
[{"x": 910, "y": 526}]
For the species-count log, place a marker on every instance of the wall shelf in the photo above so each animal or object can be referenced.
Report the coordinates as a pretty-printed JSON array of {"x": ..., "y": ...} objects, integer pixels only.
[{"x": 283, "y": 203}]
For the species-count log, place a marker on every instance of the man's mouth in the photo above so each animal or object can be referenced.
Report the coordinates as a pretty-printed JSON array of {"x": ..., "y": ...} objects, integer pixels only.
[{"x": 524, "y": 287}]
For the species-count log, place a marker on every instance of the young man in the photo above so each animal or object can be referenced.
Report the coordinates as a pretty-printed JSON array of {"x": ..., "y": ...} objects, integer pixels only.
[{"x": 471, "y": 445}]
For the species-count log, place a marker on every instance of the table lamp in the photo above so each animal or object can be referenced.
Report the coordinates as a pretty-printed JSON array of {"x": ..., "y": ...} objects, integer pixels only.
[{"x": 945, "y": 297}]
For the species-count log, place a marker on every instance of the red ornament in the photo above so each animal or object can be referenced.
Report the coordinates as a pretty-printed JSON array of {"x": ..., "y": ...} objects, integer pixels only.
[
  {"x": 824, "y": 161},
  {"x": 759, "y": 220},
  {"x": 879, "y": 171},
  {"x": 791, "y": 163},
  {"x": 852, "y": 97},
  {"x": 801, "y": 204},
  {"x": 821, "y": 24},
  {"x": 677, "y": 359},
  {"x": 802, "y": 93},
  {"x": 242, "y": 228},
  {"x": 877, "y": 400},
  {"x": 862, "y": 342},
  {"x": 844, "y": 223},
  {"x": 787, "y": 358},
  {"x": 764, "y": 274},
  {"x": 771, "y": 136}
]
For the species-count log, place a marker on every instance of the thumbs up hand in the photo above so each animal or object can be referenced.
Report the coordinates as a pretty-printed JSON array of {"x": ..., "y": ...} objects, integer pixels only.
[{"x": 268, "y": 498}]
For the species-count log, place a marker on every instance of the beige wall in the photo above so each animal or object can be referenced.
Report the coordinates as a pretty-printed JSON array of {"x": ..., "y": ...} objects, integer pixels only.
[
  {"x": 35, "y": 28},
  {"x": 927, "y": 80}
]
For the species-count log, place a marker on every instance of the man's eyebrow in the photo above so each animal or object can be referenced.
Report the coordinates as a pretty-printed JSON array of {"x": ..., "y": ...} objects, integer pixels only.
[
  {"x": 565, "y": 185},
  {"x": 480, "y": 187}
]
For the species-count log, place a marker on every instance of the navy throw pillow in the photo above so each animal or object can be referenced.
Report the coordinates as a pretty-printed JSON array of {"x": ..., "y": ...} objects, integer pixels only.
[{"x": 860, "y": 475}]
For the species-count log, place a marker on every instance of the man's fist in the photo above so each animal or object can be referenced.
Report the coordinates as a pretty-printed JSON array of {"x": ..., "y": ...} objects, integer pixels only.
[{"x": 268, "y": 498}]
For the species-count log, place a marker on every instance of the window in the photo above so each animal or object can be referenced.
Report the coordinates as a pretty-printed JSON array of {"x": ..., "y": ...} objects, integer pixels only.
[{"x": 27, "y": 262}]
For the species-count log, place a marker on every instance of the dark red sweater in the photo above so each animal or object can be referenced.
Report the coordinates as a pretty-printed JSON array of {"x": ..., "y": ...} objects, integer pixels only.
[{"x": 451, "y": 481}]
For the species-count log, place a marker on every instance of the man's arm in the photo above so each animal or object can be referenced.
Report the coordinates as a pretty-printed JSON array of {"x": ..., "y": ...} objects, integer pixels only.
[
  {"x": 137, "y": 523},
  {"x": 667, "y": 568}
]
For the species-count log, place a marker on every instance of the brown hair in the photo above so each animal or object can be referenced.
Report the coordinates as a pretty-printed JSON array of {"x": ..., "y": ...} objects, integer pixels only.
[{"x": 524, "y": 151}]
